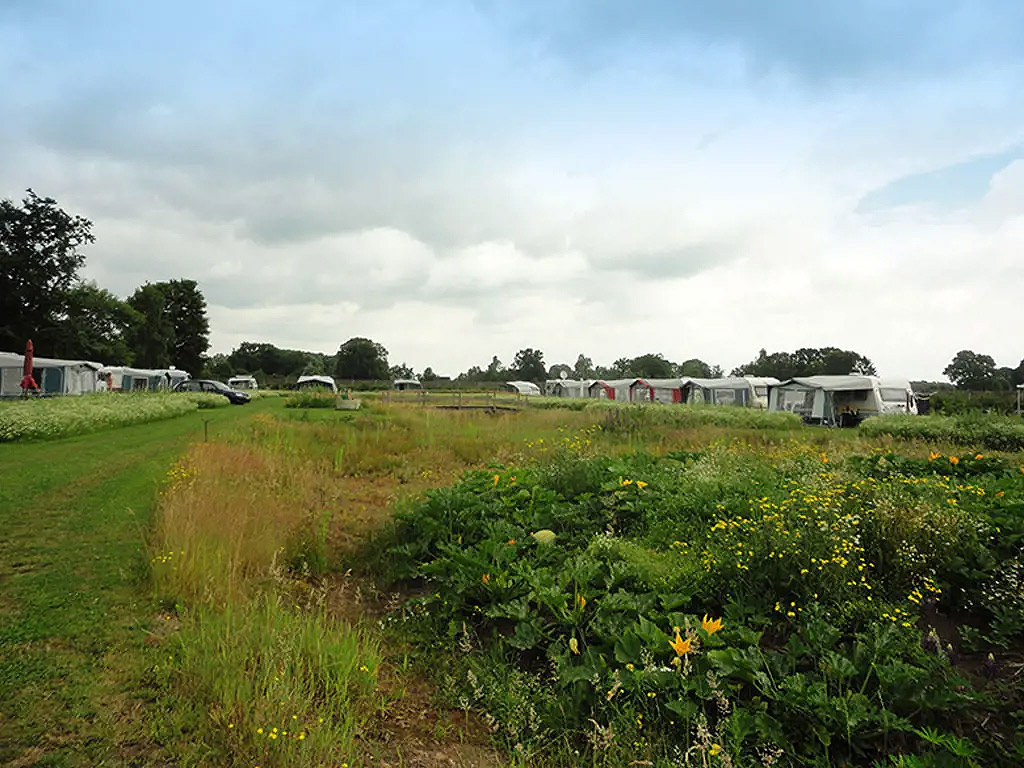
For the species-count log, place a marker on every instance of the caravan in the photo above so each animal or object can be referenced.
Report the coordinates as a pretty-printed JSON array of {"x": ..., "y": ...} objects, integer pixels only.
[{"x": 842, "y": 400}]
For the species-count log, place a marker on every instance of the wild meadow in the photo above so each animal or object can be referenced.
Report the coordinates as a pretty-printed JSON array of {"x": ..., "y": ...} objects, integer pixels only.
[
  {"x": 53, "y": 417},
  {"x": 593, "y": 585}
]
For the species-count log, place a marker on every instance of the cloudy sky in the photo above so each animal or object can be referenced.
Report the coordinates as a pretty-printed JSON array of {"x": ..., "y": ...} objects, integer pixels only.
[{"x": 462, "y": 179}]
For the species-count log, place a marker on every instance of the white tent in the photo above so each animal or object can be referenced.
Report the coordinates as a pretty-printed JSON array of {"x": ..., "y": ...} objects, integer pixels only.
[
  {"x": 844, "y": 400},
  {"x": 523, "y": 387},
  {"x": 54, "y": 376},
  {"x": 314, "y": 382},
  {"x": 123, "y": 378},
  {"x": 566, "y": 388},
  {"x": 243, "y": 382},
  {"x": 403, "y": 384}
]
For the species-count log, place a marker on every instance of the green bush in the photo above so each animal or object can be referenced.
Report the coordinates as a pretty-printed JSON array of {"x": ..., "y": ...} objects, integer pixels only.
[
  {"x": 998, "y": 433},
  {"x": 311, "y": 399}
]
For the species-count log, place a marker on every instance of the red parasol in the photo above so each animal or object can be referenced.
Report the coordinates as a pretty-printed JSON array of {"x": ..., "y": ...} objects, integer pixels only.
[{"x": 27, "y": 382}]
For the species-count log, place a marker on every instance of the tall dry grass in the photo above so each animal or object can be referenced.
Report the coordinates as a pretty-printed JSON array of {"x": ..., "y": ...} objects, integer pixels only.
[
  {"x": 232, "y": 516},
  {"x": 257, "y": 671}
]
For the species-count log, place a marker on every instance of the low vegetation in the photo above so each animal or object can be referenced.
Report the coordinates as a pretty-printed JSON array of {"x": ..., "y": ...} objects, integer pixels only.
[
  {"x": 729, "y": 606},
  {"x": 311, "y": 399},
  {"x": 605, "y": 586},
  {"x": 997, "y": 433},
  {"x": 53, "y": 417}
]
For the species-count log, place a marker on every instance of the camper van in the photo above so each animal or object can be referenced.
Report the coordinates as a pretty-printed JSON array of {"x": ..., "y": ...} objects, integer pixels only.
[
  {"x": 243, "y": 382},
  {"x": 842, "y": 400}
]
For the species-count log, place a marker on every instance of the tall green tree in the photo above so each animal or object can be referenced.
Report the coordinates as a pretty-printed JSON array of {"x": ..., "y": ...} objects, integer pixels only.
[
  {"x": 151, "y": 336},
  {"x": 39, "y": 261},
  {"x": 970, "y": 370},
  {"x": 173, "y": 328},
  {"x": 185, "y": 309},
  {"x": 95, "y": 326},
  {"x": 584, "y": 368},
  {"x": 529, "y": 365},
  {"x": 362, "y": 359}
]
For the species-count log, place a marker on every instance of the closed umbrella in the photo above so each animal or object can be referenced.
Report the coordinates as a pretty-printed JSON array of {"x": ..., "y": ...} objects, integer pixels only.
[{"x": 27, "y": 382}]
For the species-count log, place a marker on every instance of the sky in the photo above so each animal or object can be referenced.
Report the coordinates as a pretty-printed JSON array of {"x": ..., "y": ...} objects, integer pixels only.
[{"x": 457, "y": 180}]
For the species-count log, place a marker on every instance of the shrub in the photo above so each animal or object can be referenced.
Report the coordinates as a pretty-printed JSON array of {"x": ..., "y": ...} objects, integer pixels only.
[
  {"x": 973, "y": 430},
  {"x": 311, "y": 399}
]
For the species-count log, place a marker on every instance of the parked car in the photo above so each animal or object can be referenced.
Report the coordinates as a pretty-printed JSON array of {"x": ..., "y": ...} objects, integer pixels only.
[{"x": 236, "y": 397}]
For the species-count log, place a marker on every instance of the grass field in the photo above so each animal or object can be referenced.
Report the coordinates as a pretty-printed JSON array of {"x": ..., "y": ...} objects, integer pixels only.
[{"x": 605, "y": 586}]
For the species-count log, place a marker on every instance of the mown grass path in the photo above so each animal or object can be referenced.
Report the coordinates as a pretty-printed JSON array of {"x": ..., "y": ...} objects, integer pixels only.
[{"x": 73, "y": 602}]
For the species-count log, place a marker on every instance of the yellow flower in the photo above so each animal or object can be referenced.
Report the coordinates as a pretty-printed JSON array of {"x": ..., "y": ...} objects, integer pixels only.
[
  {"x": 979, "y": 456},
  {"x": 302, "y": 735},
  {"x": 259, "y": 730},
  {"x": 496, "y": 479},
  {"x": 581, "y": 601},
  {"x": 710, "y": 625},
  {"x": 630, "y": 667},
  {"x": 231, "y": 725},
  {"x": 715, "y": 749},
  {"x": 679, "y": 645},
  {"x": 511, "y": 542},
  {"x": 486, "y": 578},
  {"x": 932, "y": 456},
  {"x": 954, "y": 460},
  {"x": 574, "y": 645},
  {"x": 627, "y": 482},
  {"x": 641, "y": 484}
]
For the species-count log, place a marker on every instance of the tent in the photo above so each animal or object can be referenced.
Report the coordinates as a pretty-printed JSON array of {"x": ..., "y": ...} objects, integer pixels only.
[
  {"x": 316, "y": 382},
  {"x": 243, "y": 382},
  {"x": 403, "y": 384},
  {"x": 843, "y": 400},
  {"x": 566, "y": 388},
  {"x": 522, "y": 387},
  {"x": 54, "y": 376},
  {"x": 666, "y": 390},
  {"x": 748, "y": 391},
  {"x": 640, "y": 391},
  {"x": 123, "y": 378},
  {"x": 611, "y": 389}
]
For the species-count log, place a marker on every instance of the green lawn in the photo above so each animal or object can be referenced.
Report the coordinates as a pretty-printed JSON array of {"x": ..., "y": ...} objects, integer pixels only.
[{"x": 74, "y": 606}]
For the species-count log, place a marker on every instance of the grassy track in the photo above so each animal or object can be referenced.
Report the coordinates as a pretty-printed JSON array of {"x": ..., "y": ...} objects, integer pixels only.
[{"x": 73, "y": 613}]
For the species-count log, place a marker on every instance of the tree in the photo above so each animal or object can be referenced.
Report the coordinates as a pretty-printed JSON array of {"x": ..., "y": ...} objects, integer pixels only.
[
  {"x": 429, "y": 375},
  {"x": 151, "y": 336},
  {"x": 402, "y": 371},
  {"x": 695, "y": 368},
  {"x": 970, "y": 370},
  {"x": 584, "y": 368},
  {"x": 529, "y": 365},
  {"x": 39, "y": 263},
  {"x": 555, "y": 371},
  {"x": 94, "y": 326},
  {"x": 218, "y": 366},
  {"x": 172, "y": 327},
  {"x": 495, "y": 371},
  {"x": 362, "y": 359},
  {"x": 807, "y": 361},
  {"x": 185, "y": 310}
]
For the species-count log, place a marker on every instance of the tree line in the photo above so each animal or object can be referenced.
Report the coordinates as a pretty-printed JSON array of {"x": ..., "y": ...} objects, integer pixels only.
[{"x": 44, "y": 297}]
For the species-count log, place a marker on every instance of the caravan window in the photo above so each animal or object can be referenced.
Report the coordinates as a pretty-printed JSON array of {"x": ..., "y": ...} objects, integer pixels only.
[
  {"x": 892, "y": 395},
  {"x": 761, "y": 391}
]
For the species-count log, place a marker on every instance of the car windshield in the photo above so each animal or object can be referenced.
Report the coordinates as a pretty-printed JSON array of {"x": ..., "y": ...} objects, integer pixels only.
[{"x": 220, "y": 386}]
